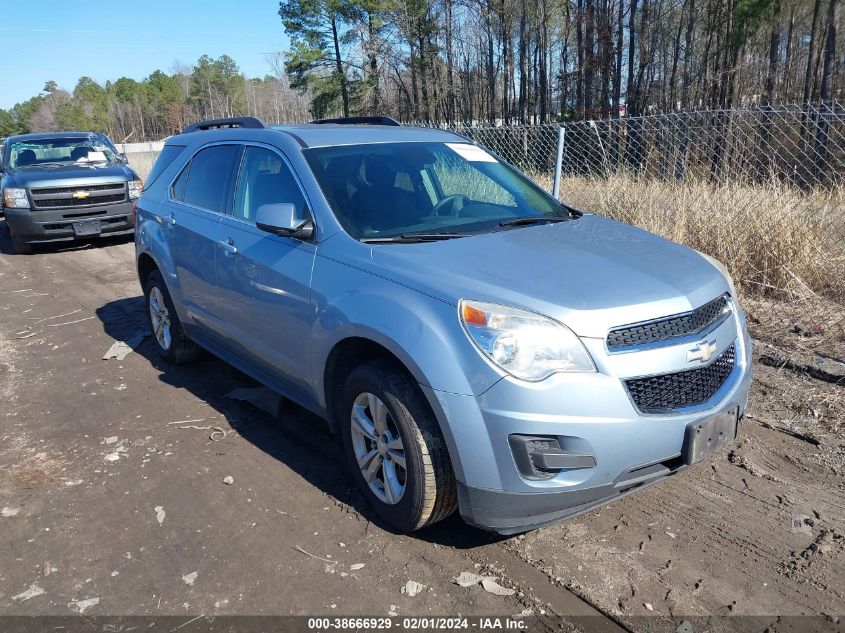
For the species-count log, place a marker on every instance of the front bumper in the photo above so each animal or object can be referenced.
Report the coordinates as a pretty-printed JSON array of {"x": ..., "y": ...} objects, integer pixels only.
[
  {"x": 55, "y": 225},
  {"x": 588, "y": 414}
]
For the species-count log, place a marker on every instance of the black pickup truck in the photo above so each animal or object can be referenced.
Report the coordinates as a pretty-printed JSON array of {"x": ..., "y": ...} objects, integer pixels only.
[{"x": 63, "y": 186}]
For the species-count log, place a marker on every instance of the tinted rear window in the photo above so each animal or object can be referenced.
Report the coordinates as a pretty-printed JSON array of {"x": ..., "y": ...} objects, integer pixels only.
[
  {"x": 210, "y": 175},
  {"x": 167, "y": 156}
]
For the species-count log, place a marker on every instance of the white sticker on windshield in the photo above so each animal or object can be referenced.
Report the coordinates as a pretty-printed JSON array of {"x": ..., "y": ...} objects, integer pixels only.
[{"x": 472, "y": 153}]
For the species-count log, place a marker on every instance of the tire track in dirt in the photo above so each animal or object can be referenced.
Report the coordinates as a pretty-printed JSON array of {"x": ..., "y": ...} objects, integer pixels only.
[{"x": 713, "y": 539}]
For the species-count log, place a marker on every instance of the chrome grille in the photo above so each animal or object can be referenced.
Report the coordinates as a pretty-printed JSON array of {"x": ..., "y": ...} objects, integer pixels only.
[
  {"x": 58, "y": 197},
  {"x": 666, "y": 392},
  {"x": 666, "y": 329}
]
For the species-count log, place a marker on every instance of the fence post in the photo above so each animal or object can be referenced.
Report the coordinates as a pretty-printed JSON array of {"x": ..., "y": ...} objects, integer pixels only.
[{"x": 561, "y": 136}]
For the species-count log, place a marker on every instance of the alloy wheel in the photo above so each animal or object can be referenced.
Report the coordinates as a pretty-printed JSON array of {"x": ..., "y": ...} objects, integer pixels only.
[
  {"x": 160, "y": 318},
  {"x": 378, "y": 448}
]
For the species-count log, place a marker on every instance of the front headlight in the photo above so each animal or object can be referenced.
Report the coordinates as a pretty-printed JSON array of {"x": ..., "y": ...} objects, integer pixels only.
[
  {"x": 722, "y": 269},
  {"x": 528, "y": 346},
  {"x": 15, "y": 199},
  {"x": 135, "y": 187}
]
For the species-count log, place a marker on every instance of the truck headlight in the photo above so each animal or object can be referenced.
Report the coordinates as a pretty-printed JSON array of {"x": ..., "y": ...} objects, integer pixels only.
[
  {"x": 15, "y": 199},
  {"x": 135, "y": 187},
  {"x": 528, "y": 346}
]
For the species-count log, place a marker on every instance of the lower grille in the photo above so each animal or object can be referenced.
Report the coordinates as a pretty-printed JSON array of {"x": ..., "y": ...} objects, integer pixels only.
[{"x": 666, "y": 392}]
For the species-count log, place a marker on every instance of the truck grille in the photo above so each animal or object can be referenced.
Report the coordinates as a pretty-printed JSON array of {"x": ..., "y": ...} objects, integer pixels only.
[
  {"x": 60, "y": 197},
  {"x": 689, "y": 388},
  {"x": 669, "y": 328}
]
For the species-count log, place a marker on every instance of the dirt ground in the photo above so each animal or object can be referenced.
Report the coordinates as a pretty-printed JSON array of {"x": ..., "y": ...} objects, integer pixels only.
[{"x": 113, "y": 501}]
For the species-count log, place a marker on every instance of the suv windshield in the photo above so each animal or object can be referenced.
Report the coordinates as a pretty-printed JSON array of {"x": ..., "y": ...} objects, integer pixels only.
[
  {"x": 381, "y": 190},
  {"x": 35, "y": 152}
]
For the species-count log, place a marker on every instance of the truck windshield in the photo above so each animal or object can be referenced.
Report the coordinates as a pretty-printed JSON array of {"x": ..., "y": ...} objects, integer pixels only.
[
  {"x": 52, "y": 150},
  {"x": 381, "y": 190}
]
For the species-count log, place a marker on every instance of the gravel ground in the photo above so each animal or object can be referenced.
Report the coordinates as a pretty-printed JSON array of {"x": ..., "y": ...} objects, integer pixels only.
[{"x": 113, "y": 497}]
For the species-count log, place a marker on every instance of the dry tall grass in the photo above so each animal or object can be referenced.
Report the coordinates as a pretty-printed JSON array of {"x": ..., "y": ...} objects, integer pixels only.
[
  {"x": 776, "y": 241},
  {"x": 784, "y": 248}
]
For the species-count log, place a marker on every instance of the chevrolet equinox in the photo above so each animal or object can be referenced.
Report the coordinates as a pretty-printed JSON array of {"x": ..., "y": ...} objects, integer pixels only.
[{"x": 477, "y": 344}]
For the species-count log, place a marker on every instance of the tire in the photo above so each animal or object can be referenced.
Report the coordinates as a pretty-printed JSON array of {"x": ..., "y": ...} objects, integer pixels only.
[
  {"x": 19, "y": 247},
  {"x": 172, "y": 343},
  {"x": 428, "y": 483}
]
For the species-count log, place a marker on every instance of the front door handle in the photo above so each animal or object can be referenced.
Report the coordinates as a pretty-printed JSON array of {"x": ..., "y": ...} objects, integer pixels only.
[{"x": 228, "y": 246}]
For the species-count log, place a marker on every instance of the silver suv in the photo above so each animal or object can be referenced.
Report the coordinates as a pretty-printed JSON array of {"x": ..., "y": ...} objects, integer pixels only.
[{"x": 477, "y": 344}]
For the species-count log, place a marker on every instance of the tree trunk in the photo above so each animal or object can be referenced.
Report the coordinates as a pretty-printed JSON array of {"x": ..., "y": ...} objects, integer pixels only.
[
  {"x": 685, "y": 81},
  {"x": 372, "y": 46},
  {"x": 543, "y": 74},
  {"x": 589, "y": 57},
  {"x": 823, "y": 166},
  {"x": 341, "y": 75},
  {"x": 450, "y": 84},
  {"x": 808, "y": 74}
]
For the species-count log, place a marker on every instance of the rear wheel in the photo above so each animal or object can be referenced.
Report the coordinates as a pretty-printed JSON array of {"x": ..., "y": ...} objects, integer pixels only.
[
  {"x": 395, "y": 447},
  {"x": 173, "y": 344}
]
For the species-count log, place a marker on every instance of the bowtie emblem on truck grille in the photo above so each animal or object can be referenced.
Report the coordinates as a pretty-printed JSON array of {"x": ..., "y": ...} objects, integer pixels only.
[
  {"x": 81, "y": 195},
  {"x": 702, "y": 352}
]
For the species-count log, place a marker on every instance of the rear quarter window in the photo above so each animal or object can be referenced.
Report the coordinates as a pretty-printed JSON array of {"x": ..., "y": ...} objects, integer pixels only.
[
  {"x": 209, "y": 176},
  {"x": 164, "y": 160}
]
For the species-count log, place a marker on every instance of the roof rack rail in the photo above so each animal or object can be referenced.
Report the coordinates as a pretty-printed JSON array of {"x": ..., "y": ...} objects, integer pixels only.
[
  {"x": 360, "y": 120},
  {"x": 231, "y": 122}
]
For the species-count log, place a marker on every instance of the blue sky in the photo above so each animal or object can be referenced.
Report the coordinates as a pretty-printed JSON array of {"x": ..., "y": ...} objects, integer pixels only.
[{"x": 107, "y": 39}]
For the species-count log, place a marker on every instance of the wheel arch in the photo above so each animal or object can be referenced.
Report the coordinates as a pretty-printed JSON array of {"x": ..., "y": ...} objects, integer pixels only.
[
  {"x": 347, "y": 354},
  {"x": 146, "y": 265},
  {"x": 354, "y": 350}
]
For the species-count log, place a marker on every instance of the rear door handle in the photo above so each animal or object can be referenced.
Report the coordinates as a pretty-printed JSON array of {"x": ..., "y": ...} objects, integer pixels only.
[
  {"x": 228, "y": 246},
  {"x": 170, "y": 220}
]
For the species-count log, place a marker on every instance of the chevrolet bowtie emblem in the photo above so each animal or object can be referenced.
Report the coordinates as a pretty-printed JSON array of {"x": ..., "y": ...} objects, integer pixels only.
[
  {"x": 80, "y": 195},
  {"x": 702, "y": 352}
]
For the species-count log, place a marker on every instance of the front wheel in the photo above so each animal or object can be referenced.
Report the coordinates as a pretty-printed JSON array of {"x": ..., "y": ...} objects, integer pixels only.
[{"x": 394, "y": 445}]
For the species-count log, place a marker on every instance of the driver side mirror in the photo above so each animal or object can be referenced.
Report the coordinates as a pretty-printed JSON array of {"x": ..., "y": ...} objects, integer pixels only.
[{"x": 284, "y": 219}]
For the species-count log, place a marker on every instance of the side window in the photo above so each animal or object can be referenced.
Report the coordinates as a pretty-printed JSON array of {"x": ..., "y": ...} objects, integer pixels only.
[
  {"x": 177, "y": 189},
  {"x": 264, "y": 179},
  {"x": 209, "y": 176}
]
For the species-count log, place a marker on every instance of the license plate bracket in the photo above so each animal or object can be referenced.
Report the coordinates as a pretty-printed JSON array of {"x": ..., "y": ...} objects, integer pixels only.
[
  {"x": 86, "y": 228},
  {"x": 703, "y": 437}
]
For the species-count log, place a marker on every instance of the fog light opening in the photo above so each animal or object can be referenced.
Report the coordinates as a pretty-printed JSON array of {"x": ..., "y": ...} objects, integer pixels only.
[{"x": 540, "y": 457}]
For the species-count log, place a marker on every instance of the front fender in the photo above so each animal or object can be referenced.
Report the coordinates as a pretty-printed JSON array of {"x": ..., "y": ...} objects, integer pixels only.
[{"x": 422, "y": 332}]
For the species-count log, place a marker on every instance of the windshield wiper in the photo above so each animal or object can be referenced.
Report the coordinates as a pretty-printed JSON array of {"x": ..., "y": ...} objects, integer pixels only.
[
  {"x": 531, "y": 219},
  {"x": 410, "y": 238}
]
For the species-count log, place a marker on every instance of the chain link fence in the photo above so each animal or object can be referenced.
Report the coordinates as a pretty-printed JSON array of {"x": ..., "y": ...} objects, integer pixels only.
[{"x": 760, "y": 189}]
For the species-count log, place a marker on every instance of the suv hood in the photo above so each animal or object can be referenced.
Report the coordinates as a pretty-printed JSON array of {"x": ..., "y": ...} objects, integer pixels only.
[
  {"x": 69, "y": 175},
  {"x": 591, "y": 274}
]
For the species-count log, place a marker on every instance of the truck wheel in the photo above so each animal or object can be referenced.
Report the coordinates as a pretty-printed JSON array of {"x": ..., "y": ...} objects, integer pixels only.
[
  {"x": 19, "y": 247},
  {"x": 394, "y": 445},
  {"x": 173, "y": 344}
]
